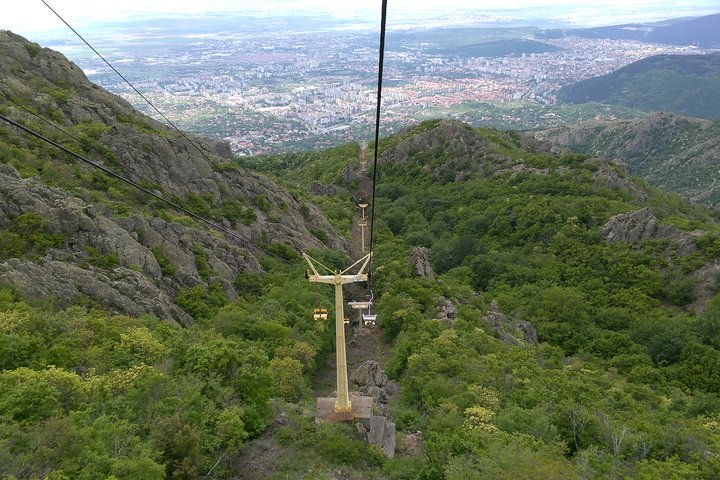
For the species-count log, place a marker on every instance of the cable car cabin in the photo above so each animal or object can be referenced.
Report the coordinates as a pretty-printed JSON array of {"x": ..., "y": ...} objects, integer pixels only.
[
  {"x": 320, "y": 313},
  {"x": 369, "y": 320}
]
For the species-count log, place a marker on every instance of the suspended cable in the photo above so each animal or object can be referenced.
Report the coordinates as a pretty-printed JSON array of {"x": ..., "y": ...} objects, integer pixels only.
[
  {"x": 62, "y": 130},
  {"x": 381, "y": 61},
  {"x": 202, "y": 152},
  {"x": 190, "y": 213}
]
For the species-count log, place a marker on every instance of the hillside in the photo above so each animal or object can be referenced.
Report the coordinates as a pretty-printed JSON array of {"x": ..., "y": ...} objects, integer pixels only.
[
  {"x": 682, "y": 84},
  {"x": 557, "y": 320},
  {"x": 134, "y": 341},
  {"x": 540, "y": 316},
  {"x": 702, "y": 32},
  {"x": 124, "y": 250},
  {"x": 674, "y": 153}
]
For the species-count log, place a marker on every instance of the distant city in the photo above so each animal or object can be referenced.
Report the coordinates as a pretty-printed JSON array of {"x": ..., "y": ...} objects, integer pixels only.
[{"x": 286, "y": 89}]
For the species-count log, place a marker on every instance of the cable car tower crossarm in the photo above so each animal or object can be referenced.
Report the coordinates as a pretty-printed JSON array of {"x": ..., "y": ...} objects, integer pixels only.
[{"x": 337, "y": 278}]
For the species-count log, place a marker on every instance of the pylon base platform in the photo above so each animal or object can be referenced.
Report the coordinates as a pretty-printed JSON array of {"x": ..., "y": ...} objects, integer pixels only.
[{"x": 361, "y": 411}]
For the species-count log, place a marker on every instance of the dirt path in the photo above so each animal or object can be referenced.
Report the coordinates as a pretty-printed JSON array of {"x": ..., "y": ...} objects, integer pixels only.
[
  {"x": 263, "y": 456},
  {"x": 363, "y": 195},
  {"x": 369, "y": 344}
]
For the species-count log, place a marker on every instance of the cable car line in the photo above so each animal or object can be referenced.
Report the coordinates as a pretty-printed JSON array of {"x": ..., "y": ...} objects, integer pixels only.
[
  {"x": 62, "y": 130},
  {"x": 381, "y": 61},
  {"x": 383, "y": 24},
  {"x": 190, "y": 213}
]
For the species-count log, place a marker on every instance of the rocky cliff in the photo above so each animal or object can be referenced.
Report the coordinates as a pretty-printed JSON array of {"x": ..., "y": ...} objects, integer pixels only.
[{"x": 147, "y": 251}]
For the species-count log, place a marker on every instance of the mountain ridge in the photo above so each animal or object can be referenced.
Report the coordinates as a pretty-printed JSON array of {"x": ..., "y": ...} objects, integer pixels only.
[
  {"x": 667, "y": 150},
  {"x": 699, "y": 31},
  {"x": 682, "y": 84}
]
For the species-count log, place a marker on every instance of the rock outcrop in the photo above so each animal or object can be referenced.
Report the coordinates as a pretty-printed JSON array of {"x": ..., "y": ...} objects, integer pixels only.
[
  {"x": 120, "y": 290},
  {"x": 522, "y": 331},
  {"x": 371, "y": 380},
  {"x": 322, "y": 190},
  {"x": 446, "y": 309},
  {"x": 136, "y": 284},
  {"x": 420, "y": 263},
  {"x": 641, "y": 225}
]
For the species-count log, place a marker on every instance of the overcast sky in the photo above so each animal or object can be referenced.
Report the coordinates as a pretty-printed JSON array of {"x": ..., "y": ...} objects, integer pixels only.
[{"x": 28, "y": 16}]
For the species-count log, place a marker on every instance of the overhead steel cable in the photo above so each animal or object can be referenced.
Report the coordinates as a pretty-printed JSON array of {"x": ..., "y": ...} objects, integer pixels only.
[
  {"x": 132, "y": 86},
  {"x": 65, "y": 132},
  {"x": 109, "y": 172},
  {"x": 381, "y": 62}
]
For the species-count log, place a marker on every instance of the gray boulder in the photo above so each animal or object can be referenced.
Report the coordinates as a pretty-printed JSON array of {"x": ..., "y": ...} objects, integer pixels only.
[
  {"x": 369, "y": 374},
  {"x": 420, "y": 263},
  {"x": 446, "y": 309},
  {"x": 508, "y": 330}
]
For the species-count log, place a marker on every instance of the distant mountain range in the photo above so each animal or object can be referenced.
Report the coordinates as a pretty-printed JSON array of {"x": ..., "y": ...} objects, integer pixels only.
[
  {"x": 669, "y": 151},
  {"x": 684, "y": 84},
  {"x": 703, "y": 32}
]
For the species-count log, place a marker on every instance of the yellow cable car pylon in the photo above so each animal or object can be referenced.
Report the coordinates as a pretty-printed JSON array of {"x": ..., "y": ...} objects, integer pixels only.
[{"x": 342, "y": 403}]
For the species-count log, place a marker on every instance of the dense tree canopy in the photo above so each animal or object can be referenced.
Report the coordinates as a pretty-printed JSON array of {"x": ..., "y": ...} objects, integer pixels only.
[{"x": 623, "y": 383}]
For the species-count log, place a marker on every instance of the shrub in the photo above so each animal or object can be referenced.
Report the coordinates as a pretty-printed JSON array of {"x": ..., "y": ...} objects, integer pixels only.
[
  {"x": 97, "y": 259},
  {"x": 167, "y": 268},
  {"x": 248, "y": 284}
]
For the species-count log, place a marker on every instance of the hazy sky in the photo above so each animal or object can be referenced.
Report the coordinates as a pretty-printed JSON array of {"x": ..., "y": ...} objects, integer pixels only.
[{"x": 27, "y": 16}]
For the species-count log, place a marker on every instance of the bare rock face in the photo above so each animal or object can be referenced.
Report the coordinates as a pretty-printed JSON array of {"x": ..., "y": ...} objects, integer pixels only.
[
  {"x": 641, "y": 225},
  {"x": 420, "y": 263},
  {"x": 446, "y": 309},
  {"x": 121, "y": 290},
  {"x": 137, "y": 284},
  {"x": 322, "y": 190}
]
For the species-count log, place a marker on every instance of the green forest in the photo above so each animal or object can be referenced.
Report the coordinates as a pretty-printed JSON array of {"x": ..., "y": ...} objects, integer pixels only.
[{"x": 623, "y": 383}]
